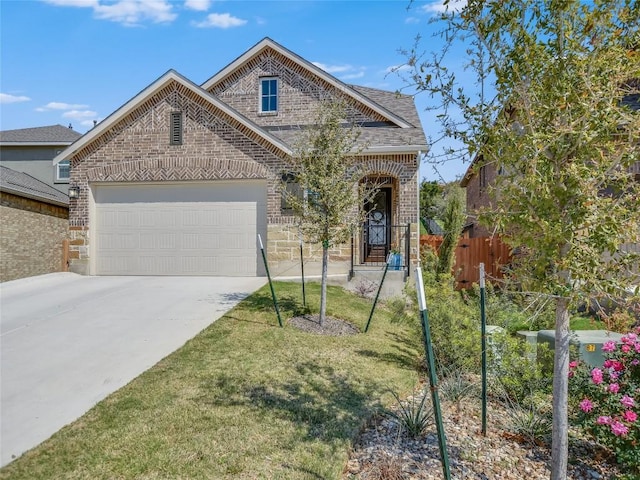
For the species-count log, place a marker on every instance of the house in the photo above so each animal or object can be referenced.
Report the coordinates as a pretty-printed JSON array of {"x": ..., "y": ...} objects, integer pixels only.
[
  {"x": 34, "y": 226},
  {"x": 31, "y": 150},
  {"x": 183, "y": 178},
  {"x": 481, "y": 175}
]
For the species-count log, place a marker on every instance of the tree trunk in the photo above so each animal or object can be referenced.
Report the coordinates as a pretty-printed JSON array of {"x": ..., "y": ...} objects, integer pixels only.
[
  {"x": 560, "y": 436},
  {"x": 323, "y": 288}
]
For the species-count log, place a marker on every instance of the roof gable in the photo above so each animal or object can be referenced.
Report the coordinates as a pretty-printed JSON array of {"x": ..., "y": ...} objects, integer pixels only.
[
  {"x": 268, "y": 44},
  {"x": 137, "y": 101}
]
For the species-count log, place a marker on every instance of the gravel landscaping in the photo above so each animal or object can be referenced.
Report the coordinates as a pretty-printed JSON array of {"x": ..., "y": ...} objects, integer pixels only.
[{"x": 382, "y": 451}]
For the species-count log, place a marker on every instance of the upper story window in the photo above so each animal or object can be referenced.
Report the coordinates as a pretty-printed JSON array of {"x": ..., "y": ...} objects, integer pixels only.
[
  {"x": 176, "y": 128},
  {"x": 63, "y": 171},
  {"x": 268, "y": 95}
]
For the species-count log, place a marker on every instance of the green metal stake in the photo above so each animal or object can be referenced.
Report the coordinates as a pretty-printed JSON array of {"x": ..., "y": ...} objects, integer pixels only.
[
  {"x": 304, "y": 296},
  {"x": 373, "y": 307},
  {"x": 483, "y": 334},
  {"x": 273, "y": 293},
  {"x": 433, "y": 381}
]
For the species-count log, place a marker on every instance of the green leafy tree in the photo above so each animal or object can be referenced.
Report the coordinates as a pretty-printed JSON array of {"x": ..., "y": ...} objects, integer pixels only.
[
  {"x": 431, "y": 200},
  {"x": 453, "y": 221},
  {"x": 326, "y": 166},
  {"x": 551, "y": 111}
]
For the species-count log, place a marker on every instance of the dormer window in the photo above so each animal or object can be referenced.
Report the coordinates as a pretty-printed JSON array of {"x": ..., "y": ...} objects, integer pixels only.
[{"x": 269, "y": 95}]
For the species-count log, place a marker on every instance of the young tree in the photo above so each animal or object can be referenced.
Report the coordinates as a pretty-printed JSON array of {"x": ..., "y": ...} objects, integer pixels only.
[
  {"x": 326, "y": 167},
  {"x": 453, "y": 220},
  {"x": 552, "y": 110}
]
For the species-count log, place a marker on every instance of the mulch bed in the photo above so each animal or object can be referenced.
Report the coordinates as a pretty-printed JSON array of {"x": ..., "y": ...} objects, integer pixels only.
[{"x": 331, "y": 325}]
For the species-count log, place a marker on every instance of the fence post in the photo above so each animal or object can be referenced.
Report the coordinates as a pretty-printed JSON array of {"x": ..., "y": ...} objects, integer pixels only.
[{"x": 65, "y": 255}]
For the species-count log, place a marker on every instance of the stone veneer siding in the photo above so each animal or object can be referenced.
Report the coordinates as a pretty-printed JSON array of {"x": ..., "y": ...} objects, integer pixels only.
[{"x": 31, "y": 237}]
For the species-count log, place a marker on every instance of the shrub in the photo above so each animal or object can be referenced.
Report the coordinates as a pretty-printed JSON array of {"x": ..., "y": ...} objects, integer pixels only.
[
  {"x": 607, "y": 399},
  {"x": 413, "y": 415}
]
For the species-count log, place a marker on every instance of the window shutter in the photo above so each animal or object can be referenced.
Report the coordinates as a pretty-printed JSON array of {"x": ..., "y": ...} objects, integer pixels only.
[{"x": 176, "y": 128}]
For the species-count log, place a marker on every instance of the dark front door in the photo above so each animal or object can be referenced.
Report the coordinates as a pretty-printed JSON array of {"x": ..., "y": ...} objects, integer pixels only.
[{"x": 376, "y": 234}]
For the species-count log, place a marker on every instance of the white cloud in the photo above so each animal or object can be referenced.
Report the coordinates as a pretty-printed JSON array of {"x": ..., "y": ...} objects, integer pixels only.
[
  {"x": 220, "y": 20},
  {"x": 61, "y": 106},
  {"x": 89, "y": 123},
  {"x": 73, "y": 3},
  {"x": 6, "y": 98},
  {"x": 333, "y": 68},
  {"x": 199, "y": 5},
  {"x": 411, "y": 20},
  {"x": 127, "y": 12},
  {"x": 398, "y": 68},
  {"x": 133, "y": 12},
  {"x": 438, "y": 7},
  {"x": 79, "y": 114},
  {"x": 352, "y": 76}
]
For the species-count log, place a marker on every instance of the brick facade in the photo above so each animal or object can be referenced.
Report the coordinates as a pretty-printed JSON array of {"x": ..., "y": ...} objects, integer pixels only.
[
  {"x": 31, "y": 237},
  {"x": 475, "y": 184},
  {"x": 216, "y": 147}
]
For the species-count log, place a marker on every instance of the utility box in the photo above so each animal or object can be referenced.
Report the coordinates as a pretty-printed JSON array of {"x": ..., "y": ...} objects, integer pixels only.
[
  {"x": 530, "y": 338},
  {"x": 588, "y": 342}
]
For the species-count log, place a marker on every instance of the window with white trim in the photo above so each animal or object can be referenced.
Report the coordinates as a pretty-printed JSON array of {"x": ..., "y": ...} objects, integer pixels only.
[
  {"x": 269, "y": 95},
  {"x": 63, "y": 171}
]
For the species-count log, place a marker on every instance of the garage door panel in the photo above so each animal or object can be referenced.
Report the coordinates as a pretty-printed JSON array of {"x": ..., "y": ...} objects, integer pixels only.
[{"x": 148, "y": 236}]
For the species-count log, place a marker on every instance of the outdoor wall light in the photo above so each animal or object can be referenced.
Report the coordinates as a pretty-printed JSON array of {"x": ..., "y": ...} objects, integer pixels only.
[{"x": 74, "y": 191}]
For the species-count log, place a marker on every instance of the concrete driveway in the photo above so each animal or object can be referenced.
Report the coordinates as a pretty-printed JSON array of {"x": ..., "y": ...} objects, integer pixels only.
[{"x": 67, "y": 341}]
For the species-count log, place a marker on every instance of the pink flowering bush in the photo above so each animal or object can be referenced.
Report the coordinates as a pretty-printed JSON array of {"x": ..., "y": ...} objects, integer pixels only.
[{"x": 606, "y": 399}]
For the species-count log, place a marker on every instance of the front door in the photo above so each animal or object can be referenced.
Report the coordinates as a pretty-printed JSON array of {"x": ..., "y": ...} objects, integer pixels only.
[{"x": 377, "y": 230}]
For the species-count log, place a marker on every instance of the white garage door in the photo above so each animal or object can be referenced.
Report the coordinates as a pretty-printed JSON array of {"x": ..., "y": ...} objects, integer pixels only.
[{"x": 180, "y": 229}]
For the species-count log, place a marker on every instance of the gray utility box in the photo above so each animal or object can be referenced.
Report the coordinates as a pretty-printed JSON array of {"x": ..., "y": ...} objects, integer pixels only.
[{"x": 588, "y": 342}]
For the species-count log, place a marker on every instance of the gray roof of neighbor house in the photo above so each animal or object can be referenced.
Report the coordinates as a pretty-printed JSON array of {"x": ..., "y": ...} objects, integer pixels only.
[
  {"x": 21, "y": 184},
  {"x": 49, "y": 135}
]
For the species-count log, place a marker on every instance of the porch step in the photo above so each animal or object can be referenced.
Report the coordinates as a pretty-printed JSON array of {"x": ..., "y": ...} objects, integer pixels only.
[{"x": 393, "y": 282}]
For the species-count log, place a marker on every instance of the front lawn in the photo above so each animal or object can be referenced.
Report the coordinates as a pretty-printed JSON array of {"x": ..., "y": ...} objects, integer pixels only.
[{"x": 245, "y": 399}]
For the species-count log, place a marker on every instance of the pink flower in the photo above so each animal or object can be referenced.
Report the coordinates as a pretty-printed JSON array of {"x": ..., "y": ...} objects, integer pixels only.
[
  {"x": 635, "y": 361},
  {"x": 586, "y": 405},
  {"x": 627, "y": 401},
  {"x": 573, "y": 364},
  {"x": 596, "y": 376},
  {"x": 603, "y": 420},
  {"x": 618, "y": 428},
  {"x": 609, "y": 346},
  {"x": 625, "y": 348},
  {"x": 608, "y": 363},
  {"x": 618, "y": 366},
  {"x": 630, "y": 416},
  {"x": 614, "y": 388}
]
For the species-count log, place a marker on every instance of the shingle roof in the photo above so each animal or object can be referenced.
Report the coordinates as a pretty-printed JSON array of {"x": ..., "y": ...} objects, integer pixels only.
[
  {"x": 48, "y": 134},
  {"x": 19, "y": 183},
  {"x": 379, "y": 135}
]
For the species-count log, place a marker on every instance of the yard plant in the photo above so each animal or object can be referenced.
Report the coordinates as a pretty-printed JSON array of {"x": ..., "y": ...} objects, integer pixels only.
[{"x": 245, "y": 399}]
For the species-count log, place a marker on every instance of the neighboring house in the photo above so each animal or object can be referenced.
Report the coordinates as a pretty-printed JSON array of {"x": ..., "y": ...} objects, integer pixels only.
[
  {"x": 34, "y": 225},
  {"x": 480, "y": 175},
  {"x": 31, "y": 150},
  {"x": 183, "y": 178}
]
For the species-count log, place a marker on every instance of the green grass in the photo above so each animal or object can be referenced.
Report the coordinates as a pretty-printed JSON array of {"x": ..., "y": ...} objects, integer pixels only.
[
  {"x": 586, "y": 323},
  {"x": 245, "y": 399}
]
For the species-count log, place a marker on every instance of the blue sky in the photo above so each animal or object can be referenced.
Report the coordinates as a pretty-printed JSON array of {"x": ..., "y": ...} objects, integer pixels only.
[{"x": 76, "y": 61}]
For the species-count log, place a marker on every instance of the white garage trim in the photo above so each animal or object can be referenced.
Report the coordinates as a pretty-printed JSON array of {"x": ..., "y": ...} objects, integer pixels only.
[{"x": 179, "y": 228}]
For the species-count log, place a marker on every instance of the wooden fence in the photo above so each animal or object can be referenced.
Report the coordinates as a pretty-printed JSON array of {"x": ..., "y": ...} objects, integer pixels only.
[{"x": 470, "y": 253}]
